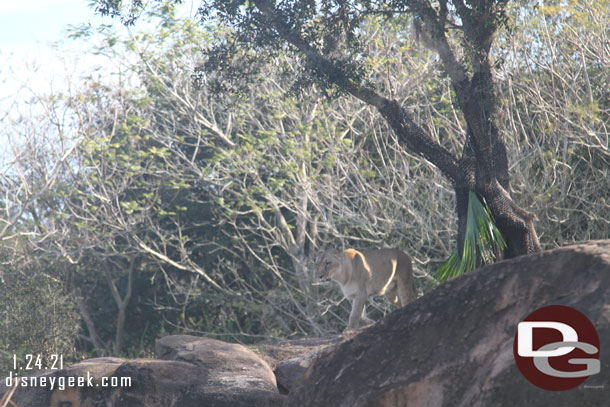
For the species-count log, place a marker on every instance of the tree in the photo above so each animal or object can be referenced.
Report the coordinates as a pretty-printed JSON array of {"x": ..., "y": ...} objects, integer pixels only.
[
  {"x": 327, "y": 37},
  {"x": 156, "y": 205},
  {"x": 555, "y": 111},
  {"x": 280, "y": 175},
  {"x": 37, "y": 315},
  {"x": 240, "y": 193}
]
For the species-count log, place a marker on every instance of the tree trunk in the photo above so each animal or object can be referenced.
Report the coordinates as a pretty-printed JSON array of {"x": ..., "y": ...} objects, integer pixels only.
[
  {"x": 122, "y": 303},
  {"x": 472, "y": 173},
  {"x": 483, "y": 167}
]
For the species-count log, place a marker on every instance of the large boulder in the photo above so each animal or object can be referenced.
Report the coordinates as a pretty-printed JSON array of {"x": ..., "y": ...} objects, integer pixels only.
[
  {"x": 454, "y": 346},
  {"x": 235, "y": 376},
  {"x": 291, "y": 358},
  {"x": 190, "y": 372}
]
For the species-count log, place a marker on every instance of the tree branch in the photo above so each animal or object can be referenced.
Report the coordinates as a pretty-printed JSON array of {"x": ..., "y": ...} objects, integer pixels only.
[
  {"x": 193, "y": 267},
  {"x": 408, "y": 132},
  {"x": 89, "y": 323}
]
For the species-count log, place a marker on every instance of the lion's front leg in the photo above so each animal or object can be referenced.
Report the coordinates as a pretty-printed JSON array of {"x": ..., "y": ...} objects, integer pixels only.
[
  {"x": 357, "y": 309},
  {"x": 365, "y": 318}
]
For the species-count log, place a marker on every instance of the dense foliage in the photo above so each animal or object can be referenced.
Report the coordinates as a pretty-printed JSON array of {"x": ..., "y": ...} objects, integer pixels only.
[{"x": 152, "y": 199}]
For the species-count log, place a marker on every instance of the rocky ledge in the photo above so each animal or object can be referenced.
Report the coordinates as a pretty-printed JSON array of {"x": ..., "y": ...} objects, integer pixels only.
[{"x": 452, "y": 347}]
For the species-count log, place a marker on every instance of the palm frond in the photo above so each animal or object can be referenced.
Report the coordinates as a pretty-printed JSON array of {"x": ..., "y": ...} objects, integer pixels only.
[{"x": 482, "y": 240}]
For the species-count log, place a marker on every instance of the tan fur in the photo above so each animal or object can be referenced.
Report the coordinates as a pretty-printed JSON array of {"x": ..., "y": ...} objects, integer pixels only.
[{"x": 363, "y": 274}]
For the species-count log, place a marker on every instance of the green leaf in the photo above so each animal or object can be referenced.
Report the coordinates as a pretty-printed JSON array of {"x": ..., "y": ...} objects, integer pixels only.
[
  {"x": 130, "y": 207},
  {"x": 482, "y": 240}
]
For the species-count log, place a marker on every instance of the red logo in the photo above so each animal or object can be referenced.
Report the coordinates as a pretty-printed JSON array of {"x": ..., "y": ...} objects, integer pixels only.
[{"x": 556, "y": 348}]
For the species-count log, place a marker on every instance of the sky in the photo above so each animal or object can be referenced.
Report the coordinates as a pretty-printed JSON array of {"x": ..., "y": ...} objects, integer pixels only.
[
  {"x": 28, "y": 28},
  {"x": 30, "y": 65},
  {"x": 26, "y": 23}
]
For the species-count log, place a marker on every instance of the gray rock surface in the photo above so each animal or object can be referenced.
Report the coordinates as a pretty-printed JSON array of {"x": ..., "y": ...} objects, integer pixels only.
[
  {"x": 292, "y": 358},
  {"x": 190, "y": 372},
  {"x": 454, "y": 346}
]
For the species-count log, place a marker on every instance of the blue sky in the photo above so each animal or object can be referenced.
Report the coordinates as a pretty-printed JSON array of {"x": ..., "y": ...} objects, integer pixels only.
[
  {"x": 31, "y": 66},
  {"x": 27, "y": 23},
  {"x": 27, "y": 30}
]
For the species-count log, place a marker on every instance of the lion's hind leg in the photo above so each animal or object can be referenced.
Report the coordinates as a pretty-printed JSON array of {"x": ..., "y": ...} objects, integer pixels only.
[
  {"x": 405, "y": 284},
  {"x": 392, "y": 294}
]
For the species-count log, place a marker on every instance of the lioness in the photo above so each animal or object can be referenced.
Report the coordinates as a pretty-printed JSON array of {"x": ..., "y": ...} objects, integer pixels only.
[{"x": 368, "y": 273}]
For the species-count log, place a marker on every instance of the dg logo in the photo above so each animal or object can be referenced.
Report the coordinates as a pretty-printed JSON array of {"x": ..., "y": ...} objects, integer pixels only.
[{"x": 556, "y": 348}]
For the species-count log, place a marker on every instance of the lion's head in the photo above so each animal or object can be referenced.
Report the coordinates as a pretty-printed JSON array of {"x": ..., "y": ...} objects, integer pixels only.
[{"x": 328, "y": 264}]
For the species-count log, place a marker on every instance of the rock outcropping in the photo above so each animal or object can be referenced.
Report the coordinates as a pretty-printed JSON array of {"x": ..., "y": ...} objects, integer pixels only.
[
  {"x": 189, "y": 372},
  {"x": 454, "y": 346}
]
